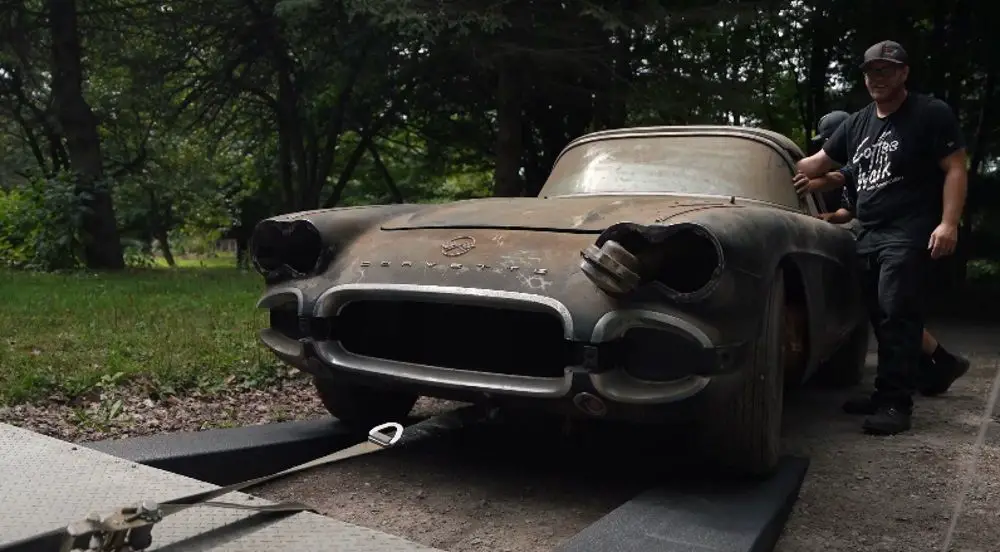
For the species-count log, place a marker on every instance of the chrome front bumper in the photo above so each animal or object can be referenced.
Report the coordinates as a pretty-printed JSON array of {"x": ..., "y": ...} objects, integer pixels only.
[{"x": 326, "y": 357}]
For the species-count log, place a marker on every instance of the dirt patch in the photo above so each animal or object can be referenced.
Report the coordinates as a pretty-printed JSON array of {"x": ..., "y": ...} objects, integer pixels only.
[
  {"x": 978, "y": 527},
  {"x": 131, "y": 411},
  {"x": 498, "y": 489}
]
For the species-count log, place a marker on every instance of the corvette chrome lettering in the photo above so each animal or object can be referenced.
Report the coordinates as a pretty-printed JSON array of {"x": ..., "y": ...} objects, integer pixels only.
[{"x": 458, "y": 266}]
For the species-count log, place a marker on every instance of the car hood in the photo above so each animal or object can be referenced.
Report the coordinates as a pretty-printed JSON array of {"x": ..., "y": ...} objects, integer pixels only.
[{"x": 586, "y": 215}]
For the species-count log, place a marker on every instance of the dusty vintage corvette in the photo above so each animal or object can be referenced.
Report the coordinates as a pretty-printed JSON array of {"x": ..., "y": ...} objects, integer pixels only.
[{"x": 663, "y": 274}]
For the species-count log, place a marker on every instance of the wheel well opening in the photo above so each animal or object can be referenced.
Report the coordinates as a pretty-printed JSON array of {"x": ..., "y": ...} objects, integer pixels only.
[
  {"x": 795, "y": 292},
  {"x": 796, "y": 322}
]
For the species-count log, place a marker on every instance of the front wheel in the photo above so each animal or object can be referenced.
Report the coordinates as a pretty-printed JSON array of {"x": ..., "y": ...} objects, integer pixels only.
[
  {"x": 363, "y": 408},
  {"x": 745, "y": 434}
]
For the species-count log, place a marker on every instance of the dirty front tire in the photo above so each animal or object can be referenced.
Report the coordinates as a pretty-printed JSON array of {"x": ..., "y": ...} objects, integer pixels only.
[
  {"x": 846, "y": 366},
  {"x": 363, "y": 408},
  {"x": 745, "y": 433}
]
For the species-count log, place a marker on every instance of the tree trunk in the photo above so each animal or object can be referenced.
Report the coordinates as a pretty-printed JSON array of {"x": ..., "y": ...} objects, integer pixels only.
[
  {"x": 816, "y": 81},
  {"x": 621, "y": 79},
  {"x": 390, "y": 183},
  {"x": 102, "y": 246},
  {"x": 242, "y": 258},
  {"x": 161, "y": 236},
  {"x": 507, "y": 177}
]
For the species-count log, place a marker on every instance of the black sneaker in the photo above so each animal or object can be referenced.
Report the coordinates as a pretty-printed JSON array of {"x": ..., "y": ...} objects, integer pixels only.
[
  {"x": 860, "y": 406},
  {"x": 887, "y": 420},
  {"x": 944, "y": 374},
  {"x": 926, "y": 371}
]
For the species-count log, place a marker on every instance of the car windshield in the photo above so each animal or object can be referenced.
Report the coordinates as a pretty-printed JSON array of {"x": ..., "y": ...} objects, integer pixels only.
[{"x": 666, "y": 164}]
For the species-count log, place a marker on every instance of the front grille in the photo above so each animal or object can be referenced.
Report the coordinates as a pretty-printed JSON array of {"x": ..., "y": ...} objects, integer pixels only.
[{"x": 463, "y": 337}]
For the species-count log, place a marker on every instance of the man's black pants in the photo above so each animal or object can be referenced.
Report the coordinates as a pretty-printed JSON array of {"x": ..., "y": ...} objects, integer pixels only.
[{"x": 892, "y": 280}]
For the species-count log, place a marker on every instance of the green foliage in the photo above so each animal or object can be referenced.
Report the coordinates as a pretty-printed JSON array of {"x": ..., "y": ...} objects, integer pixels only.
[
  {"x": 467, "y": 185},
  {"x": 213, "y": 115},
  {"x": 416, "y": 19},
  {"x": 194, "y": 240},
  {"x": 137, "y": 255},
  {"x": 39, "y": 225},
  {"x": 15, "y": 228},
  {"x": 982, "y": 270}
]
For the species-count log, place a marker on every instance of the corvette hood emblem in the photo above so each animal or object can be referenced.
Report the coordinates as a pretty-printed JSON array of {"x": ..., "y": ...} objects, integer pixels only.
[{"x": 458, "y": 246}]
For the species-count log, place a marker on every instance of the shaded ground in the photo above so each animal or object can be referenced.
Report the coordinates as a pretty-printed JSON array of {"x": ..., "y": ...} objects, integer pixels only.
[
  {"x": 499, "y": 489},
  {"x": 903, "y": 493},
  {"x": 898, "y": 493}
]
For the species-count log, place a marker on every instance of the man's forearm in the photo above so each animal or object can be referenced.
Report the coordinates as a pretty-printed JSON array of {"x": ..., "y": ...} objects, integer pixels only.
[
  {"x": 955, "y": 183},
  {"x": 830, "y": 181},
  {"x": 815, "y": 165}
]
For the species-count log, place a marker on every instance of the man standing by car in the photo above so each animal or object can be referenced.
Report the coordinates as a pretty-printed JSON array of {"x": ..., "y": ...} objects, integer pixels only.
[
  {"x": 938, "y": 367},
  {"x": 906, "y": 154}
]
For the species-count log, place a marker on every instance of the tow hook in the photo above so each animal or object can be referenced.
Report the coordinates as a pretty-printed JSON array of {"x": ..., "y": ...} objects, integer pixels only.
[{"x": 590, "y": 404}]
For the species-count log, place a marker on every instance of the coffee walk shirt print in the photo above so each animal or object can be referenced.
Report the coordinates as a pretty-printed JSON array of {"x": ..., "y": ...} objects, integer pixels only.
[{"x": 896, "y": 184}]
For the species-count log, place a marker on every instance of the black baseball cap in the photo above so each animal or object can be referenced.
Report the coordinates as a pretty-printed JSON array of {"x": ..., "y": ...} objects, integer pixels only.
[
  {"x": 887, "y": 50},
  {"x": 828, "y": 124}
]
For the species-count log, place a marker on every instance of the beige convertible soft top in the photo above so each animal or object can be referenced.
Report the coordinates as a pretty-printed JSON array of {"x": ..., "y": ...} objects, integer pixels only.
[{"x": 743, "y": 162}]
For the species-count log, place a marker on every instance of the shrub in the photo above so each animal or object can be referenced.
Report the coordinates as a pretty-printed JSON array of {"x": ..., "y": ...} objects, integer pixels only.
[{"x": 39, "y": 225}]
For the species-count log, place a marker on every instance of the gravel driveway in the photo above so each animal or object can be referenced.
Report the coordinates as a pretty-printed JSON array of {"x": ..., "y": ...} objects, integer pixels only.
[
  {"x": 936, "y": 486},
  {"x": 901, "y": 493}
]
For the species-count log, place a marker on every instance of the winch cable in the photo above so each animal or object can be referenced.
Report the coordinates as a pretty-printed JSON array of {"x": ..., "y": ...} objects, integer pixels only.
[{"x": 129, "y": 528}]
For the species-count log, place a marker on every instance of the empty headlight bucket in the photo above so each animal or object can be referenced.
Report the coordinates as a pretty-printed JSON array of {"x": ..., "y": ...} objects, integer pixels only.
[
  {"x": 295, "y": 247},
  {"x": 690, "y": 262}
]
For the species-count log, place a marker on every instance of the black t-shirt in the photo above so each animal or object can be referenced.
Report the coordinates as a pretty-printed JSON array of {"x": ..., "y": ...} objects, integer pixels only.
[
  {"x": 832, "y": 199},
  {"x": 849, "y": 191},
  {"x": 894, "y": 183}
]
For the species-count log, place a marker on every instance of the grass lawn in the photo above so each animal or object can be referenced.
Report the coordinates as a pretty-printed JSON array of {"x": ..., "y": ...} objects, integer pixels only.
[
  {"x": 170, "y": 328},
  {"x": 219, "y": 261}
]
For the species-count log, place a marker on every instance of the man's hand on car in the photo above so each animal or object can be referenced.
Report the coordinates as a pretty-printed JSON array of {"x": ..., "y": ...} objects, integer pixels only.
[
  {"x": 829, "y": 181},
  {"x": 801, "y": 183},
  {"x": 840, "y": 216}
]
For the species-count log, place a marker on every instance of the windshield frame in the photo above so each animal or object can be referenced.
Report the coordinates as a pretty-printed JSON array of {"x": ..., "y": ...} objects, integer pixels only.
[{"x": 776, "y": 146}]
